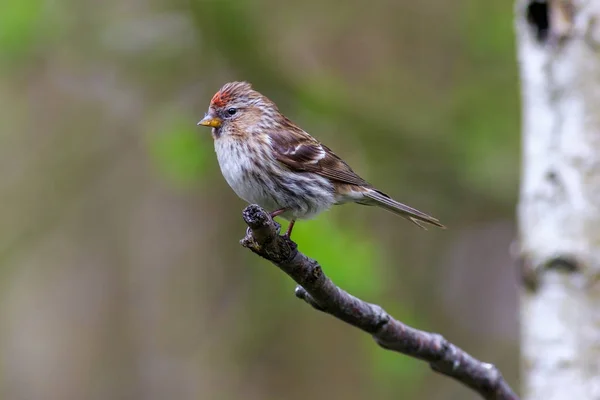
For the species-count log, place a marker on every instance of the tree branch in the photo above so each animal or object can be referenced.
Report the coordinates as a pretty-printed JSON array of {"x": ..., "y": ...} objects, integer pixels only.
[{"x": 262, "y": 237}]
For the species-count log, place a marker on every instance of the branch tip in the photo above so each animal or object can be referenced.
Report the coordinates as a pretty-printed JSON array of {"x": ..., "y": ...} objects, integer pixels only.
[
  {"x": 255, "y": 217},
  {"x": 303, "y": 295},
  {"x": 262, "y": 228}
]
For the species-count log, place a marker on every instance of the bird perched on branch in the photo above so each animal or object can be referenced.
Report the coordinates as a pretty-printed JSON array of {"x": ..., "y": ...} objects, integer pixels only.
[{"x": 270, "y": 161}]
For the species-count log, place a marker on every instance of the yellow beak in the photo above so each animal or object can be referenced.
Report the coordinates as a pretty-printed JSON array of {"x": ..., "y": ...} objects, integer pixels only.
[{"x": 211, "y": 121}]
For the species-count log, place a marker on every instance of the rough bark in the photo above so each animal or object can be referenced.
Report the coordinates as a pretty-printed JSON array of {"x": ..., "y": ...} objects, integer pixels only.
[
  {"x": 262, "y": 237},
  {"x": 559, "y": 210}
]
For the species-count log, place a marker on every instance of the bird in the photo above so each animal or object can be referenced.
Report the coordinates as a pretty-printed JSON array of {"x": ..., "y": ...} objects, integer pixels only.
[{"x": 270, "y": 161}]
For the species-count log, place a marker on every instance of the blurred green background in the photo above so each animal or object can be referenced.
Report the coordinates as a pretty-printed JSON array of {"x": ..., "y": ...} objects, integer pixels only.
[{"x": 121, "y": 272}]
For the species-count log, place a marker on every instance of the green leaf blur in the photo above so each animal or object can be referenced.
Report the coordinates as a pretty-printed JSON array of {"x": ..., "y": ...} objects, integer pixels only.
[
  {"x": 351, "y": 260},
  {"x": 19, "y": 25},
  {"x": 179, "y": 152}
]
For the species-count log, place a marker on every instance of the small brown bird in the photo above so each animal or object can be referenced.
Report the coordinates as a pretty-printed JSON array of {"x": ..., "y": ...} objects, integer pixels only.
[{"x": 269, "y": 161}]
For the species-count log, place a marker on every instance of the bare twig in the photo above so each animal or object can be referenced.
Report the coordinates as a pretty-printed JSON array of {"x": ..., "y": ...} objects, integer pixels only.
[{"x": 262, "y": 237}]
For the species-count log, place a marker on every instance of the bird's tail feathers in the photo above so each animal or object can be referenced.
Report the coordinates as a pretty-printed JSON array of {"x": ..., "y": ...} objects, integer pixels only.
[{"x": 380, "y": 199}]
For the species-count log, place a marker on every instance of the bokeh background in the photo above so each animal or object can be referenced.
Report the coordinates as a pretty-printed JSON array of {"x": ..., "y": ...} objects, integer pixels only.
[{"x": 121, "y": 272}]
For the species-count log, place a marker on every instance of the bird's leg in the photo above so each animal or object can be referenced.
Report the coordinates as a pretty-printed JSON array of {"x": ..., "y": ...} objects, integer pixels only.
[
  {"x": 288, "y": 233},
  {"x": 275, "y": 213},
  {"x": 278, "y": 212}
]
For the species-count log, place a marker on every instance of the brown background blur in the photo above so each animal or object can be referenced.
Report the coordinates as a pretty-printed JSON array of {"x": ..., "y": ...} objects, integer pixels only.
[{"x": 121, "y": 272}]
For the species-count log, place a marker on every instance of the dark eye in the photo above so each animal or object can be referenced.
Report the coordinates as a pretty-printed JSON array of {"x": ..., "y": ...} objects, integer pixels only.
[{"x": 231, "y": 111}]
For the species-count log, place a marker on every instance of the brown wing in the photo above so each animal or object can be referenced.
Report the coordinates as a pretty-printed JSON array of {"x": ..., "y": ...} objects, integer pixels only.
[{"x": 301, "y": 152}]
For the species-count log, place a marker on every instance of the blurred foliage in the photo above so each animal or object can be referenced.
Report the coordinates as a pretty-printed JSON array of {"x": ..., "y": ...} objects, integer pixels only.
[
  {"x": 19, "y": 25},
  {"x": 178, "y": 153},
  {"x": 487, "y": 34},
  {"x": 350, "y": 259},
  {"x": 421, "y": 98},
  {"x": 486, "y": 105}
]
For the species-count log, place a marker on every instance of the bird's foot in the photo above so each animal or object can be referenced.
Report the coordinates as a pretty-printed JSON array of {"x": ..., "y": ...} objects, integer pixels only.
[{"x": 277, "y": 212}]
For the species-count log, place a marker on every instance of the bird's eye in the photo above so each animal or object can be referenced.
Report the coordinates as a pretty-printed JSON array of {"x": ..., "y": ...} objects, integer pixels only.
[{"x": 231, "y": 111}]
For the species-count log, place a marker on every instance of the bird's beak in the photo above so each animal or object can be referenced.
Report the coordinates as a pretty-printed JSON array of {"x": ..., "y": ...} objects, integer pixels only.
[{"x": 211, "y": 121}]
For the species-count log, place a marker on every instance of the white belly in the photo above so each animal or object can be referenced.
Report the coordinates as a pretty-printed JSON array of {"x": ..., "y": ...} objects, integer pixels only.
[{"x": 306, "y": 195}]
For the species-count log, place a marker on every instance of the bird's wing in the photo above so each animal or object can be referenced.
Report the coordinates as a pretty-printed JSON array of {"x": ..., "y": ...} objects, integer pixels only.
[{"x": 301, "y": 152}]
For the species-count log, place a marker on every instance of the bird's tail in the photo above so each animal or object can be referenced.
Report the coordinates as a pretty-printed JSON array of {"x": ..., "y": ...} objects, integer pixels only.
[{"x": 376, "y": 198}]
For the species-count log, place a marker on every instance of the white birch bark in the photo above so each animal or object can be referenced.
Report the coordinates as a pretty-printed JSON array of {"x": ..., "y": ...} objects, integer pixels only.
[{"x": 559, "y": 210}]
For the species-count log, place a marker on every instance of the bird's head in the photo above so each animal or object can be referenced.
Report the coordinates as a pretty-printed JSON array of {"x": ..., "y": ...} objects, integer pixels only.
[{"x": 236, "y": 108}]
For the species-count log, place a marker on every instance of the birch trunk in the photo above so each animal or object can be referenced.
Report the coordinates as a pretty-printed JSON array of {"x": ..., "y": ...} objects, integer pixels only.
[{"x": 559, "y": 210}]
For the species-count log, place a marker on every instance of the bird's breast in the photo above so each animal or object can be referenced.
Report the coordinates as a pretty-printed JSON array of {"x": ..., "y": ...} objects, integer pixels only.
[
  {"x": 243, "y": 167},
  {"x": 254, "y": 174}
]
